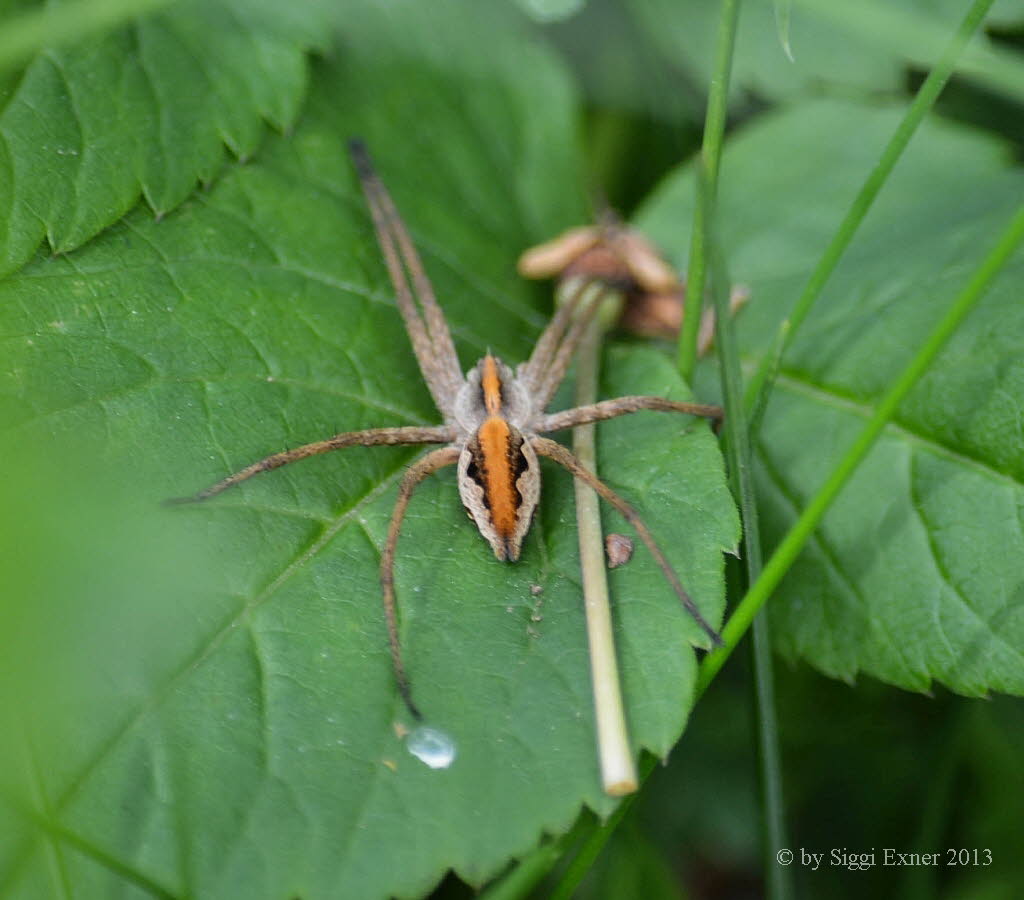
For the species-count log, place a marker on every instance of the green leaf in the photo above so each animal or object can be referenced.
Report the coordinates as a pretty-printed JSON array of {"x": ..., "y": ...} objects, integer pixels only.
[
  {"x": 783, "y": 11},
  {"x": 839, "y": 48},
  {"x": 551, "y": 10},
  {"x": 823, "y": 53},
  {"x": 242, "y": 742},
  {"x": 632, "y": 867},
  {"x": 147, "y": 109},
  {"x": 915, "y": 574}
]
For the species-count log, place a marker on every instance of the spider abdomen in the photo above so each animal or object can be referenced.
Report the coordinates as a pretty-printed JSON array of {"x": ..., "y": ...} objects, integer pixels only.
[{"x": 499, "y": 482}]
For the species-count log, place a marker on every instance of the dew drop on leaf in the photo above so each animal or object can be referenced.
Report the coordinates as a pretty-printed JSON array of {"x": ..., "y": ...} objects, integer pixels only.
[{"x": 431, "y": 746}]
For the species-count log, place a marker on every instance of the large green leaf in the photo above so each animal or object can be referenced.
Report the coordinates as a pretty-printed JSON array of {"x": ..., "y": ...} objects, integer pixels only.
[
  {"x": 241, "y": 741},
  {"x": 147, "y": 109},
  {"x": 916, "y": 573}
]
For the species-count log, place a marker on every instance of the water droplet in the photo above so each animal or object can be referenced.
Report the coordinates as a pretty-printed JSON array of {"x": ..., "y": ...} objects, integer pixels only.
[{"x": 431, "y": 746}]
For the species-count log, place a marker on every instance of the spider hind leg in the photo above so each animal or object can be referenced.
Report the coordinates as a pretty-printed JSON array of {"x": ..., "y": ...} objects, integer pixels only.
[{"x": 566, "y": 459}]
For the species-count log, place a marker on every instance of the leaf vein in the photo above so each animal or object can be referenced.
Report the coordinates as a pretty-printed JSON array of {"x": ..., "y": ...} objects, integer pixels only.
[
  {"x": 946, "y": 577},
  {"x": 222, "y": 632},
  {"x": 831, "y": 397}
]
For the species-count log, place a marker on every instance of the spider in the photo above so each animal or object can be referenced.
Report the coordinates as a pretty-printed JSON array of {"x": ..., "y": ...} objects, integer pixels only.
[{"x": 494, "y": 420}]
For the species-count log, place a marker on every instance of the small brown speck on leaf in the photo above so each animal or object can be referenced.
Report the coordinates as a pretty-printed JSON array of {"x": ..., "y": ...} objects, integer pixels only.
[{"x": 619, "y": 549}]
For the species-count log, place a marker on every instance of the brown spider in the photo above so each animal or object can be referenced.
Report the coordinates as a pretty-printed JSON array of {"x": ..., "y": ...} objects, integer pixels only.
[{"x": 493, "y": 420}]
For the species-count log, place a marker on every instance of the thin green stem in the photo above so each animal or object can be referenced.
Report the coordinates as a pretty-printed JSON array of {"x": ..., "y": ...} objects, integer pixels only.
[
  {"x": 760, "y": 385},
  {"x": 921, "y": 882},
  {"x": 51, "y": 25},
  {"x": 522, "y": 878},
  {"x": 595, "y": 841},
  {"x": 738, "y": 453},
  {"x": 778, "y": 880},
  {"x": 788, "y": 550},
  {"x": 710, "y": 156}
]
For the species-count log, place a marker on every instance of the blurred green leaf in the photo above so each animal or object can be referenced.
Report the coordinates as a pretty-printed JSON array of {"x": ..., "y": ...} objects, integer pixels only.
[
  {"x": 783, "y": 14},
  {"x": 147, "y": 109},
  {"x": 551, "y": 10},
  {"x": 823, "y": 53},
  {"x": 915, "y": 574},
  {"x": 643, "y": 113},
  {"x": 632, "y": 867},
  {"x": 250, "y": 747},
  {"x": 837, "y": 47}
]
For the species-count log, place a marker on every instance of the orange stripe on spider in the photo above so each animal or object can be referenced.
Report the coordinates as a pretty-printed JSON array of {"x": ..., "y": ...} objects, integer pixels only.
[
  {"x": 499, "y": 479},
  {"x": 490, "y": 383}
]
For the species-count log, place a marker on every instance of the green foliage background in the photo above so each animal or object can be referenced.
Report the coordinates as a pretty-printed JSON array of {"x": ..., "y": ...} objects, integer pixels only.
[{"x": 199, "y": 702}]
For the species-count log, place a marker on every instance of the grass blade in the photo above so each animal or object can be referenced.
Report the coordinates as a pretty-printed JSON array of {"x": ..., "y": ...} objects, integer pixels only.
[
  {"x": 738, "y": 454},
  {"x": 710, "y": 156}
]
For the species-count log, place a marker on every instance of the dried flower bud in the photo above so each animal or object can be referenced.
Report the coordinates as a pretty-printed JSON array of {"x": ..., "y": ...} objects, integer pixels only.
[
  {"x": 607, "y": 252},
  {"x": 623, "y": 258},
  {"x": 554, "y": 257}
]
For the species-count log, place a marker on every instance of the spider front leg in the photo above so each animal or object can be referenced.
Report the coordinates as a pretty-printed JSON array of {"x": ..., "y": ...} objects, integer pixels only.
[
  {"x": 426, "y": 465},
  {"x": 621, "y": 406},
  {"x": 374, "y": 437},
  {"x": 555, "y": 451}
]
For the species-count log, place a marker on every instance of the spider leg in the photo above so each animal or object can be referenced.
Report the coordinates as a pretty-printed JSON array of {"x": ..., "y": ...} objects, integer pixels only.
[
  {"x": 374, "y": 437},
  {"x": 532, "y": 371},
  {"x": 620, "y": 406},
  {"x": 562, "y": 456},
  {"x": 426, "y": 465},
  {"x": 548, "y": 383},
  {"x": 428, "y": 333}
]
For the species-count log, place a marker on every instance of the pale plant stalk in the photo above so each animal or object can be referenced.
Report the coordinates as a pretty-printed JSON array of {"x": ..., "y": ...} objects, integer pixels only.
[{"x": 618, "y": 770}]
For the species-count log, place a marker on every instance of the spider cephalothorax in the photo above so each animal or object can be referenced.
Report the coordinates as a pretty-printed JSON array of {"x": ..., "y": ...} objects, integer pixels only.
[{"x": 494, "y": 419}]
